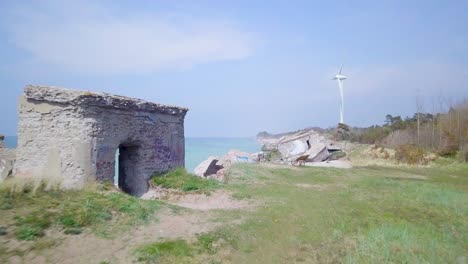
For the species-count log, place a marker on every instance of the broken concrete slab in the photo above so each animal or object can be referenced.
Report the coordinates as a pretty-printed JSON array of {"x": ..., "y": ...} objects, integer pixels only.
[
  {"x": 234, "y": 156},
  {"x": 7, "y": 162},
  {"x": 208, "y": 167},
  {"x": 2, "y": 137}
]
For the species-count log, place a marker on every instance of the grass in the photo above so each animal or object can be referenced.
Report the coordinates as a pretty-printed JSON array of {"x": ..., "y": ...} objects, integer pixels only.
[
  {"x": 371, "y": 214},
  {"x": 153, "y": 252},
  {"x": 181, "y": 251},
  {"x": 31, "y": 212},
  {"x": 180, "y": 179}
]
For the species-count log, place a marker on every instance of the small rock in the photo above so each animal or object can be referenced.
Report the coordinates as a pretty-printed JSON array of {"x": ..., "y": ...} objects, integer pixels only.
[
  {"x": 257, "y": 157},
  {"x": 6, "y": 169},
  {"x": 2, "y": 137},
  {"x": 208, "y": 167},
  {"x": 3, "y": 231},
  {"x": 234, "y": 156}
]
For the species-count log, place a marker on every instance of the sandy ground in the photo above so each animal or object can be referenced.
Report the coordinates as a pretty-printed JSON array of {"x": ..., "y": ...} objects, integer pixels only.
[
  {"x": 342, "y": 164},
  {"x": 184, "y": 224},
  {"x": 216, "y": 200},
  {"x": 220, "y": 200},
  {"x": 89, "y": 248}
]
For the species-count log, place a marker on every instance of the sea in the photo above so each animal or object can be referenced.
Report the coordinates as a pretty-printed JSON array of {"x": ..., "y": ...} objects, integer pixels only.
[{"x": 197, "y": 149}]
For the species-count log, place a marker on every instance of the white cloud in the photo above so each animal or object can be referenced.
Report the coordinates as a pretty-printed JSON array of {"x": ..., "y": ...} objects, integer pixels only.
[{"x": 90, "y": 38}]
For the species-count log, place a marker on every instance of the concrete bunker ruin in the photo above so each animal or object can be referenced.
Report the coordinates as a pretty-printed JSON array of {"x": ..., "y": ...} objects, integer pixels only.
[{"x": 71, "y": 137}]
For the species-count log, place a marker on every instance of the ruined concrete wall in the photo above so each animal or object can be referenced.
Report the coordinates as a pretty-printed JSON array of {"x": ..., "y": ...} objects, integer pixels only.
[
  {"x": 71, "y": 137},
  {"x": 54, "y": 143},
  {"x": 157, "y": 142}
]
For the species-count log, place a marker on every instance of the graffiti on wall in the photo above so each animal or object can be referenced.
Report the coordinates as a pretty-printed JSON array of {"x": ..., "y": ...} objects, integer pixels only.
[
  {"x": 169, "y": 149},
  {"x": 163, "y": 151}
]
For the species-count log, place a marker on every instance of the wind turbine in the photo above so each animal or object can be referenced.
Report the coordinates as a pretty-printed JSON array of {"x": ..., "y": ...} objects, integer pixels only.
[{"x": 340, "y": 78}]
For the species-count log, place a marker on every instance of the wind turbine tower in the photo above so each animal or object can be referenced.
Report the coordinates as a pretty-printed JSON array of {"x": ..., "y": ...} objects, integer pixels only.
[{"x": 340, "y": 78}]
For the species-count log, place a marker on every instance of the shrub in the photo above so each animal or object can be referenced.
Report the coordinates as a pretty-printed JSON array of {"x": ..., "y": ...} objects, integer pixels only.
[
  {"x": 410, "y": 154},
  {"x": 273, "y": 155},
  {"x": 448, "y": 146},
  {"x": 182, "y": 180},
  {"x": 462, "y": 154}
]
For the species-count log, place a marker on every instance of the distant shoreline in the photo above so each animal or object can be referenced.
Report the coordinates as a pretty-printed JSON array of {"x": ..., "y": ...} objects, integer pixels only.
[{"x": 197, "y": 149}]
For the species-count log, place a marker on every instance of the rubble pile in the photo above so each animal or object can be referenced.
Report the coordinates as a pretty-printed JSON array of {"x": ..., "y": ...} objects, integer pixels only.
[{"x": 305, "y": 147}]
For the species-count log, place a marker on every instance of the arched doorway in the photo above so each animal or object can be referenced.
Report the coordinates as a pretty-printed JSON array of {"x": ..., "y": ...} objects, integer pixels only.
[{"x": 125, "y": 177}]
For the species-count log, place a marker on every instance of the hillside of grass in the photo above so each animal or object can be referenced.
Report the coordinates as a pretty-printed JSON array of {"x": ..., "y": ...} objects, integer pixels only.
[{"x": 369, "y": 214}]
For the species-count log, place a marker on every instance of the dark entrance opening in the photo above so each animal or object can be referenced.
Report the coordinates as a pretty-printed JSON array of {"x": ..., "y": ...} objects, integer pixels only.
[{"x": 125, "y": 169}]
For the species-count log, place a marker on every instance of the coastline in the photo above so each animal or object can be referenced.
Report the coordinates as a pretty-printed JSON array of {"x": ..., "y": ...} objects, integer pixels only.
[{"x": 197, "y": 149}]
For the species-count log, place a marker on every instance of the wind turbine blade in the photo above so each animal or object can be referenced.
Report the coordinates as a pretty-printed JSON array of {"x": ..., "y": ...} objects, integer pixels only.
[{"x": 341, "y": 69}]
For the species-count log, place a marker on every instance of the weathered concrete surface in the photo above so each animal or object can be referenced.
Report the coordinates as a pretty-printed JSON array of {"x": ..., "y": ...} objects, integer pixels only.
[
  {"x": 2, "y": 137},
  {"x": 72, "y": 136},
  {"x": 7, "y": 160},
  {"x": 207, "y": 167},
  {"x": 317, "y": 153},
  {"x": 234, "y": 156},
  {"x": 215, "y": 168},
  {"x": 257, "y": 156}
]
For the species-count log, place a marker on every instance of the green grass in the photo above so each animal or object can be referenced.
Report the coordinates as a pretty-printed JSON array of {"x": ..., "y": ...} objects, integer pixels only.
[
  {"x": 371, "y": 214},
  {"x": 31, "y": 212},
  {"x": 154, "y": 252},
  {"x": 362, "y": 215},
  {"x": 181, "y": 251},
  {"x": 180, "y": 179}
]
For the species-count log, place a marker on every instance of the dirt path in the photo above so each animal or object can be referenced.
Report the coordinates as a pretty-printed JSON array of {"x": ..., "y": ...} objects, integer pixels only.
[
  {"x": 179, "y": 224},
  {"x": 218, "y": 200},
  {"x": 89, "y": 248}
]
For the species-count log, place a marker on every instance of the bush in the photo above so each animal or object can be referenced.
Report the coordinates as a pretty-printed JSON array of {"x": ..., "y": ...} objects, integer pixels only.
[
  {"x": 182, "y": 180},
  {"x": 273, "y": 155},
  {"x": 463, "y": 153},
  {"x": 448, "y": 146},
  {"x": 410, "y": 154}
]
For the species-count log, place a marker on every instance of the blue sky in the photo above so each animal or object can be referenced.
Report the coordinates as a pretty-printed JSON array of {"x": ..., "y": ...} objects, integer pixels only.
[{"x": 241, "y": 66}]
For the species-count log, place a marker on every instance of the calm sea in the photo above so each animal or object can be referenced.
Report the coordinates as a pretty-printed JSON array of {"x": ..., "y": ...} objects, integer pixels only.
[{"x": 198, "y": 149}]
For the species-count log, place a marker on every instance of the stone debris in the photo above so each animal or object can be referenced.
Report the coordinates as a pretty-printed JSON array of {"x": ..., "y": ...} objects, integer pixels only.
[
  {"x": 257, "y": 157},
  {"x": 6, "y": 169},
  {"x": 2, "y": 145},
  {"x": 208, "y": 167},
  {"x": 215, "y": 168},
  {"x": 291, "y": 146},
  {"x": 234, "y": 156},
  {"x": 7, "y": 160},
  {"x": 305, "y": 147}
]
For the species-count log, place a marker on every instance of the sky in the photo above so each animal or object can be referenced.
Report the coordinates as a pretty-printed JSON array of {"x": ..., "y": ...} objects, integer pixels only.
[{"x": 241, "y": 66}]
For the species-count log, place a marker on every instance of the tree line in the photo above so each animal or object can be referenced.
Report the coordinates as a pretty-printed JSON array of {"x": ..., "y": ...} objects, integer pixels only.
[{"x": 444, "y": 133}]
